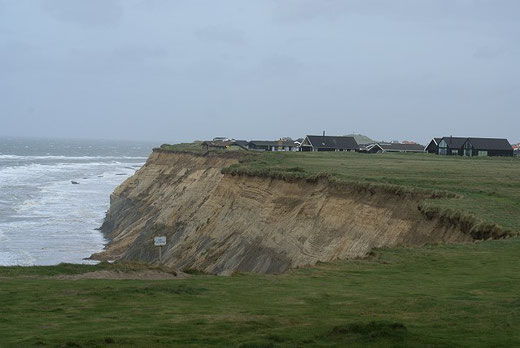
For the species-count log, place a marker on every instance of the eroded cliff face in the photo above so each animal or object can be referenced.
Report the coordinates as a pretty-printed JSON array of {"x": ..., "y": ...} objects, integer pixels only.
[{"x": 219, "y": 223}]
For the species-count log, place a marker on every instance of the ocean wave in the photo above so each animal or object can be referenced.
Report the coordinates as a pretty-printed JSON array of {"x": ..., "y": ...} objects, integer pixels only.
[
  {"x": 18, "y": 258},
  {"x": 34, "y": 169},
  {"x": 33, "y": 158}
]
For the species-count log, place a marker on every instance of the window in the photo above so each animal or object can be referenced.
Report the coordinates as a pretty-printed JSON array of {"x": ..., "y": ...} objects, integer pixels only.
[
  {"x": 443, "y": 148},
  {"x": 454, "y": 151},
  {"x": 482, "y": 153}
]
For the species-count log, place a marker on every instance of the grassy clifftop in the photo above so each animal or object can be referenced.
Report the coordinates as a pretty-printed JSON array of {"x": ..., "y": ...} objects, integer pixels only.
[{"x": 488, "y": 188}]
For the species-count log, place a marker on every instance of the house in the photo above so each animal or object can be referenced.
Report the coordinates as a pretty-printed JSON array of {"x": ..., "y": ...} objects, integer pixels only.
[
  {"x": 516, "y": 149},
  {"x": 241, "y": 143},
  {"x": 267, "y": 145},
  {"x": 286, "y": 145},
  {"x": 261, "y": 145},
  {"x": 329, "y": 143},
  {"x": 433, "y": 146},
  {"x": 451, "y": 146},
  {"x": 474, "y": 146},
  {"x": 394, "y": 147},
  {"x": 487, "y": 147}
]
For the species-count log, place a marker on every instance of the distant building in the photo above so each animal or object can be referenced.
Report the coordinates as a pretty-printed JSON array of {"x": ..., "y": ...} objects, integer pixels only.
[
  {"x": 329, "y": 143},
  {"x": 433, "y": 146},
  {"x": 267, "y": 145},
  {"x": 516, "y": 149},
  {"x": 474, "y": 147},
  {"x": 487, "y": 147},
  {"x": 451, "y": 146},
  {"x": 394, "y": 147}
]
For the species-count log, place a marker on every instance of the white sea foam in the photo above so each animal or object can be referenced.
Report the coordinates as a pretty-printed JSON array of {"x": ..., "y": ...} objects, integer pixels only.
[
  {"x": 53, "y": 220},
  {"x": 16, "y": 258},
  {"x": 36, "y": 158}
]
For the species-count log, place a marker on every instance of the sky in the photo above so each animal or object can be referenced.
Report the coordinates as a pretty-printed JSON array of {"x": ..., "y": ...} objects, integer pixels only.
[{"x": 183, "y": 70}]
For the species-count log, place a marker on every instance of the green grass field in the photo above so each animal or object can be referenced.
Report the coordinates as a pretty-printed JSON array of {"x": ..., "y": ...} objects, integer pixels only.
[
  {"x": 448, "y": 295},
  {"x": 444, "y": 295}
]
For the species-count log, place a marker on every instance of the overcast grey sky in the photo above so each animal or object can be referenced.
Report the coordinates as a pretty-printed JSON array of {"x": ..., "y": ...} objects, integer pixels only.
[{"x": 170, "y": 70}]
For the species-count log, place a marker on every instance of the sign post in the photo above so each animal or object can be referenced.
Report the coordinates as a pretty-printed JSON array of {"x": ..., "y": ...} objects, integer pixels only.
[{"x": 159, "y": 241}]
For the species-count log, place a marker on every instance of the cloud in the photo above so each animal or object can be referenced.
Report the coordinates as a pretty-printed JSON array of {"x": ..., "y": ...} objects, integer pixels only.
[
  {"x": 130, "y": 59},
  {"x": 85, "y": 12},
  {"x": 487, "y": 10},
  {"x": 219, "y": 34},
  {"x": 486, "y": 52},
  {"x": 280, "y": 65}
]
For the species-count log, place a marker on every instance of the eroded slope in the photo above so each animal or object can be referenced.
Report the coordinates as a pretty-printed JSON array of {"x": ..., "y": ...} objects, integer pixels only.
[{"x": 223, "y": 223}]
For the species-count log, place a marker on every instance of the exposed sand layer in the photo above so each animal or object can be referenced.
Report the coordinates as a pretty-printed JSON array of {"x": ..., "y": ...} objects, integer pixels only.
[{"x": 219, "y": 223}]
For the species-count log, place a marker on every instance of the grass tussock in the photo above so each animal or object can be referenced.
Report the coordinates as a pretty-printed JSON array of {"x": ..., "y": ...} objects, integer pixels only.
[
  {"x": 467, "y": 223},
  {"x": 371, "y": 331}
]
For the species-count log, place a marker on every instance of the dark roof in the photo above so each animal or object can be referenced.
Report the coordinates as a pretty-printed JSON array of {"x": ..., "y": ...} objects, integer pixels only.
[
  {"x": 330, "y": 142},
  {"x": 242, "y": 143},
  {"x": 454, "y": 142},
  {"x": 272, "y": 143},
  {"x": 437, "y": 140},
  {"x": 401, "y": 147},
  {"x": 263, "y": 142},
  {"x": 490, "y": 144}
]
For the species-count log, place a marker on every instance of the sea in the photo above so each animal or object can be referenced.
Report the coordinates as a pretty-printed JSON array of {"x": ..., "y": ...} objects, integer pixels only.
[{"x": 54, "y": 194}]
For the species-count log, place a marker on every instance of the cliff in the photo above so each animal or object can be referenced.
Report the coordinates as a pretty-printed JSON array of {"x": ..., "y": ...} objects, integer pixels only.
[{"x": 220, "y": 223}]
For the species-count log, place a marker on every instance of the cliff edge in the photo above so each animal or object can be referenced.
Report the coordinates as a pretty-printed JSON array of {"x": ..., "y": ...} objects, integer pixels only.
[{"x": 221, "y": 223}]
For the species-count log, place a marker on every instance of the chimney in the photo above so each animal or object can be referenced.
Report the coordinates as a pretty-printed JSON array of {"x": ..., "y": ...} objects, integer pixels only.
[{"x": 323, "y": 133}]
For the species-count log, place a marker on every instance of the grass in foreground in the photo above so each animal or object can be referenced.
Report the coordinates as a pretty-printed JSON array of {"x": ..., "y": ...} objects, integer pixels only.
[
  {"x": 489, "y": 187},
  {"x": 448, "y": 295}
]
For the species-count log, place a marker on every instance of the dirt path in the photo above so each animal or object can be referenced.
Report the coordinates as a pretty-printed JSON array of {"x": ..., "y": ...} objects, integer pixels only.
[{"x": 117, "y": 275}]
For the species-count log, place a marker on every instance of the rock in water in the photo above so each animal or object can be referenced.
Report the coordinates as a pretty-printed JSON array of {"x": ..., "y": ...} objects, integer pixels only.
[{"x": 74, "y": 183}]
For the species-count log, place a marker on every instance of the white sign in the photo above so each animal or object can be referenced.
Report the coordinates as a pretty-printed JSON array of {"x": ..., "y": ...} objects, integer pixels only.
[{"x": 159, "y": 241}]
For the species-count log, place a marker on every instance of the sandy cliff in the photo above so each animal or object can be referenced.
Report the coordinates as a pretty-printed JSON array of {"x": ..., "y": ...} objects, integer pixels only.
[{"x": 222, "y": 223}]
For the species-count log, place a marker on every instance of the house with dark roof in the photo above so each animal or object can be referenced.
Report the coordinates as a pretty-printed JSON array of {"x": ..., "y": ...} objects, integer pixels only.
[
  {"x": 394, "y": 147},
  {"x": 267, "y": 145},
  {"x": 329, "y": 143},
  {"x": 474, "y": 146},
  {"x": 487, "y": 147},
  {"x": 433, "y": 146}
]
